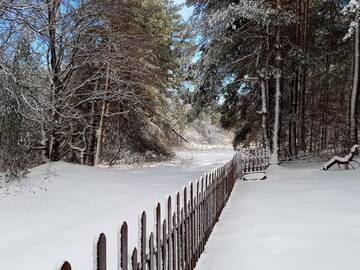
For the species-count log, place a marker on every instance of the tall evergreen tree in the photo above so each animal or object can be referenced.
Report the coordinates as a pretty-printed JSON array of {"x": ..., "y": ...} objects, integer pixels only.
[{"x": 248, "y": 52}]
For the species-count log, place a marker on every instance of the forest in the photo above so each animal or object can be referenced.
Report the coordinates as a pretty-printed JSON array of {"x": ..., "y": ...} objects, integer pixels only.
[{"x": 94, "y": 81}]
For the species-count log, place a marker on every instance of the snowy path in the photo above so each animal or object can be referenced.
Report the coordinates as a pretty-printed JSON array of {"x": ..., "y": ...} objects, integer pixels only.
[
  {"x": 65, "y": 206},
  {"x": 301, "y": 218}
]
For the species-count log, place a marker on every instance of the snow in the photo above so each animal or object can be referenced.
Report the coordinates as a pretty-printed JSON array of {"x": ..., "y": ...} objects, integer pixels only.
[
  {"x": 57, "y": 212},
  {"x": 254, "y": 176},
  {"x": 352, "y": 10},
  {"x": 299, "y": 218}
]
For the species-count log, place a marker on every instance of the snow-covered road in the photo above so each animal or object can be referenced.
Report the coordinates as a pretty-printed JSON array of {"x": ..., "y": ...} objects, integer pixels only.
[
  {"x": 300, "y": 218},
  {"x": 62, "y": 207}
]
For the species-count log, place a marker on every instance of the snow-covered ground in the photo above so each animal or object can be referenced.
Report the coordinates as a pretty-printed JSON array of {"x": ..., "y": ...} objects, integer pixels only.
[
  {"x": 299, "y": 218},
  {"x": 56, "y": 213}
]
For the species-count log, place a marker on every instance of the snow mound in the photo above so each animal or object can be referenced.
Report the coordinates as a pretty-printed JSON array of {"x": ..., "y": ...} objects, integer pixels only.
[{"x": 37, "y": 181}]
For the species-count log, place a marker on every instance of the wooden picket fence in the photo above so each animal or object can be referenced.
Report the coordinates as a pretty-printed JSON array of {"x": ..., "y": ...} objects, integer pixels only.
[
  {"x": 255, "y": 160},
  {"x": 178, "y": 239}
]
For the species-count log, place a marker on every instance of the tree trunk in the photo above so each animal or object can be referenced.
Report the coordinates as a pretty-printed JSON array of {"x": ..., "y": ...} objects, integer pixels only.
[
  {"x": 90, "y": 157},
  {"x": 292, "y": 116},
  {"x": 100, "y": 133},
  {"x": 326, "y": 92},
  {"x": 45, "y": 145},
  {"x": 56, "y": 84},
  {"x": 264, "y": 111},
  {"x": 275, "y": 147},
  {"x": 301, "y": 110},
  {"x": 302, "y": 10},
  {"x": 355, "y": 92}
]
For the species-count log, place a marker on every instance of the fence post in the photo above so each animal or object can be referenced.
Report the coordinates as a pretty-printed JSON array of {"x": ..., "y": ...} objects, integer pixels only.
[
  {"x": 210, "y": 206},
  {"x": 143, "y": 240},
  {"x": 174, "y": 243},
  {"x": 189, "y": 231},
  {"x": 66, "y": 266},
  {"x": 224, "y": 187},
  {"x": 202, "y": 214},
  {"x": 123, "y": 256},
  {"x": 214, "y": 184},
  {"x": 179, "y": 231},
  {"x": 158, "y": 236},
  {"x": 186, "y": 232},
  {"x": 191, "y": 215},
  {"x": 216, "y": 187},
  {"x": 134, "y": 260},
  {"x": 164, "y": 246},
  {"x": 169, "y": 225},
  {"x": 183, "y": 251},
  {"x": 214, "y": 199},
  {"x": 206, "y": 207},
  {"x": 197, "y": 221},
  {"x": 100, "y": 251},
  {"x": 151, "y": 252}
]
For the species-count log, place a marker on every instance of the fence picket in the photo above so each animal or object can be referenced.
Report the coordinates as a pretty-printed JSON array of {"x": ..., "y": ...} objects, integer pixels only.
[
  {"x": 191, "y": 211},
  {"x": 174, "y": 243},
  {"x": 164, "y": 246},
  {"x": 178, "y": 231},
  {"x": 201, "y": 213},
  {"x": 100, "y": 251},
  {"x": 123, "y": 256},
  {"x": 66, "y": 266},
  {"x": 206, "y": 207},
  {"x": 143, "y": 240},
  {"x": 158, "y": 236},
  {"x": 134, "y": 260},
  {"x": 182, "y": 237},
  {"x": 189, "y": 234},
  {"x": 151, "y": 252},
  {"x": 170, "y": 229},
  {"x": 186, "y": 231},
  {"x": 197, "y": 221}
]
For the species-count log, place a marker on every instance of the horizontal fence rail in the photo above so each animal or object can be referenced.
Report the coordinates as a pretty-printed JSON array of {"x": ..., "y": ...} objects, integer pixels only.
[{"x": 181, "y": 232}]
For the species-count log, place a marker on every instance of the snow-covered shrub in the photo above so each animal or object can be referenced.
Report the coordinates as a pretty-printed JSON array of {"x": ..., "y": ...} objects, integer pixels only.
[{"x": 206, "y": 131}]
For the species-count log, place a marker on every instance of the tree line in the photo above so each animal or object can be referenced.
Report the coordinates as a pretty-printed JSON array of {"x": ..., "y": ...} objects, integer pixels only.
[
  {"x": 281, "y": 72},
  {"x": 92, "y": 81},
  {"x": 86, "y": 80}
]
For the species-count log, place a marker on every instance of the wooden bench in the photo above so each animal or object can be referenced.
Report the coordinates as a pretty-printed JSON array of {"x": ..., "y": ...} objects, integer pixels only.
[{"x": 347, "y": 160}]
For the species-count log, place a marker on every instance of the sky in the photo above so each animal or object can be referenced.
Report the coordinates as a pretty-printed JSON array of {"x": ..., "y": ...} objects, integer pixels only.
[{"x": 186, "y": 11}]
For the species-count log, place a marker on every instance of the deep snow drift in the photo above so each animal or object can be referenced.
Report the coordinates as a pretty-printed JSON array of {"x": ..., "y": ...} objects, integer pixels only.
[
  {"x": 57, "y": 212},
  {"x": 300, "y": 218}
]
